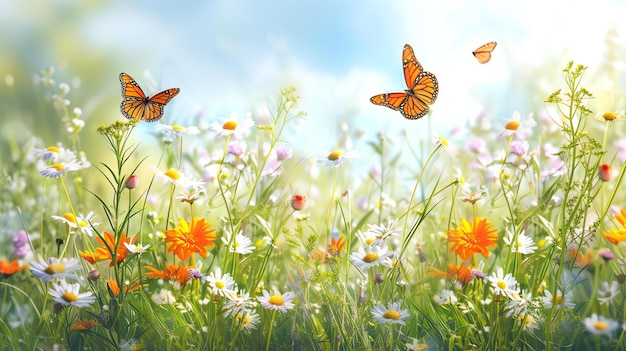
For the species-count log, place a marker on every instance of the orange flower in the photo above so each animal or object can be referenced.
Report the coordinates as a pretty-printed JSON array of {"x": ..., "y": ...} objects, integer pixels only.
[
  {"x": 462, "y": 274},
  {"x": 83, "y": 324},
  {"x": 192, "y": 237},
  {"x": 332, "y": 250},
  {"x": 616, "y": 236},
  {"x": 115, "y": 289},
  {"x": 171, "y": 272},
  {"x": 8, "y": 269},
  {"x": 104, "y": 253},
  {"x": 336, "y": 245},
  {"x": 472, "y": 238}
]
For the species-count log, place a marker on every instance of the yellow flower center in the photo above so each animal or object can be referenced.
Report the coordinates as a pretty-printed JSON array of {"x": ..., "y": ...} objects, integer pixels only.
[
  {"x": 501, "y": 284},
  {"x": 335, "y": 155},
  {"x": 276, "y": 300},
  {"x": 443, "y": 141},
  {"x": 219, "y": 284},
  {"x": 391, "y": 314},
  {"x": 55, "y": 268},
  {"x": 512, "y": 125},
  {"x": 177, "y": 128},
  {"x": 58, "y": 166},
  {"x": 69, "y": 296},
  {"x": 246, "y": 319},
  {"x": 370, "y": 257},
  {"x": 230, "y": 125},
  {"x": 53, "y": 149},
  {"x": 172, "y": 174},
  {"x": 369, "y": 241},
  {"x": 609, "y": 116},
  {"x": 608, "y": 294},
  {"x": 70, "y": 217},
  {"x": 559, "y": 299},
  {"x": 600, "y": 325}
]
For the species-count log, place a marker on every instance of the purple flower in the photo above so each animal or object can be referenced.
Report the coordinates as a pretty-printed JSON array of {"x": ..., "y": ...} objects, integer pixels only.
[
  {"x": 283, "y": 152},
  {"x": 519, "y": 148}
]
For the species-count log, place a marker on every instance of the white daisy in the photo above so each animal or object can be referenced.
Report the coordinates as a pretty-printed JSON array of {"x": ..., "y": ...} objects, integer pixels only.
[
  {"x": 58, "y": 169},
  {"x": 336, "y": 158},
  {"x": 55, "y": 153},
  {"x": 369, "y": 257},
  {"x": 524, "y": 245},
  {"x": 136, "y": 248},
  {"x": 241, "y": 244},
  {"x": 382, "y": 232},
  {"x": 69, "y": 295},
  {"x": 610, "y": 116},
  {"x": 608, "y": 292},
  {"x": 220, "y": 284},
  {"x": 560, "y": 300},
  {"x": 52, "y": 268},
  {"x": 170, "y": 132},
  {"x": 232, "y": 126},
  {"x": 515, "y": 125},
  {"x": 171, "y": 176},
  {"x": 518, "y": 304},
  {"x": 164, "y": 297},
  {"x": 504, "y": 285},
  {"x": 446, "y": 297},
  {"x": 84, "y": 223},
  {"x": 391, "y": 314},
  {"x": 416, "y": 346},
  {"x": 248, "y": 319},
  {"x": 277, "y": 301},
  {"x": 237, "y": 303},
  {"x": 600, "y": 325}
]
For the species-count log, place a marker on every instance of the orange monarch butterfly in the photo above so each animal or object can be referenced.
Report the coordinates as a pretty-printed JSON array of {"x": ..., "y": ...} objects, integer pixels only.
[
  {"x": 422, "y": 89},
  {"x": 483, "y": 53},
  {"x": 139, "y": 107}
]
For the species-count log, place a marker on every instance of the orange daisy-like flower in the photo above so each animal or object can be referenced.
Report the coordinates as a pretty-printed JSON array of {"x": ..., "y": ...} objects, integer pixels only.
[
  {"x": 616, "y": 236},
  {"x": 332, "y": 250},
  {"x": 189, "y": 238},
  {"x": 104, "y": 253},
  {"x": 83, "y": 324},
  {"x": 115, "y": 288},
  {"x": 461, "y": 274},
  {"x": 170, "y": 273},
  {"x": 8, "y": 269},
  {"x": 472, "y": 238}
]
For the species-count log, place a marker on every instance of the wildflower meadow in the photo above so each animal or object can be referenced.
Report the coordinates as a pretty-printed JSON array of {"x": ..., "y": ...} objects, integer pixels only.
[{"x": 227, "y": 237}]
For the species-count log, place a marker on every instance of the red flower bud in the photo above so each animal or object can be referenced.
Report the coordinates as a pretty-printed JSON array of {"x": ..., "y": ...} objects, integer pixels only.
[
  {"x": 298, "y": 202},
  {"x": 605, "y": 172},
  {"x": 132, "y": 182}
]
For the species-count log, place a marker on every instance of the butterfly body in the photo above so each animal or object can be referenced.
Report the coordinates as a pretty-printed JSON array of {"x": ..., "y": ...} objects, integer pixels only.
[
  {"x": 483, "y": 53},
  {"x": 422, "y": 91},
  {"x": 136, "y": 105}
]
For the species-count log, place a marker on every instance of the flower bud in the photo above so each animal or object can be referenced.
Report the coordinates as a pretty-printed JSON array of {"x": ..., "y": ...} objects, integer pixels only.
[
  {"x": 94, "y": 275},
  {"x": 132, "y": 182},
  {"x": 605, "y": 172},
  {"x": 298, "y": 202}
]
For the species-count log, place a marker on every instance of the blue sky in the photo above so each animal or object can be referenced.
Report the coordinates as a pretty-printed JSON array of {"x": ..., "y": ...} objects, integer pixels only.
[{"x": 233, "y": 55}]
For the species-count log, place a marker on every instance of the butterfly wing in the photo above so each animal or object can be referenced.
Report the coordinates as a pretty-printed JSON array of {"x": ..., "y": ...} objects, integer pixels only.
[
  {"x": 422, "y": 89},
  {"x": 424, "y": 93},
  {"x": 483, "y": 53},
  {"x": 412, "y": 68},
  {"x": 394, "y": 101},
  {"x": 423, "y": 86},
  {"x": 155, "y": 104},
  {"x": 139, "y": 107}
]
